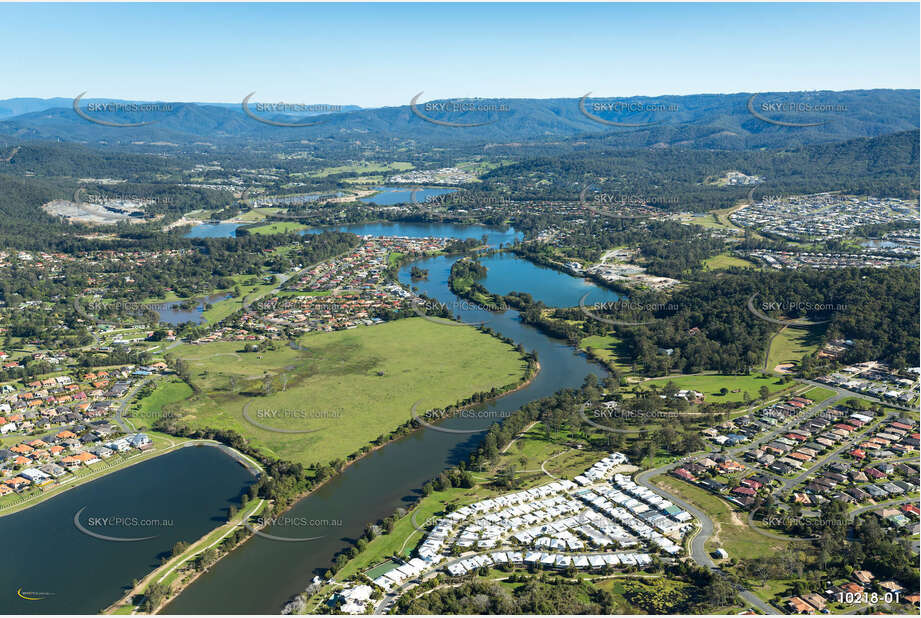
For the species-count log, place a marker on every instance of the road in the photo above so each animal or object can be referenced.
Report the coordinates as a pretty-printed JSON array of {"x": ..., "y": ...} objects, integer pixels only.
[
  {"x": 844, "y": 392},
  {"x": 697, "y": 546},
  {"x": 128, "y": 397}
]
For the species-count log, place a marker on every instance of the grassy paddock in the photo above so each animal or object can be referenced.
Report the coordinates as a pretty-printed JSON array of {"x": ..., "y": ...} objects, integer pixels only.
[
  {"x": 791, "y": 344},
  {"x": 725, "y": 260},
  {"x": 710, "y": 385},
  {"x": 609, "y": 349},
  {"x": 347, "y": 388}
]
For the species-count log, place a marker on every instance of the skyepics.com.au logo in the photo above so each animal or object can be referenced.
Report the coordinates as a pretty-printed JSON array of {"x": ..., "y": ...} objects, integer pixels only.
[
  {"x": 424, "y": 308},
  {"x": 598, "y": 416},
  {"x": 103, "y": 527},
  {"x": 95, "y": 111},
  {"x": 623, "y": 413},
  {"x": 792, "y": 307},
  {"x": 619, "y": 107},
  {"x": 262, "y": 417},
  {"x": 448, "y": 113},
  {"x": 435, "y": 415},
  {"x": 784, "y": 110},
  {"x": 286, "y": 108},
  {"x": 462, "y": 199},
  {"x": 115, "y": 198},
  {"x": 116, "y": 307},
  {"x": 634, "y": 313},
  {"x": 285, "y": 523},
  {"x": 33, "y": 595},
  {"x": 624, "y": 205}
]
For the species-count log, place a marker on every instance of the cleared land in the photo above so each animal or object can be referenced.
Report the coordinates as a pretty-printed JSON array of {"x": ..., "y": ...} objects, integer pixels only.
[
  {"x": 731, "y": 531},
  {"x": 818, "y": 394},
  {"x": 710, "y": 385},
  {"x": 792, "y": 344},
  {"x": 609, "y": 349},
  {"x": 725, "y": 260},
  {"x": 277, "y": 228},
  {"x": 164, "y": 397},
  {"x": 346, "y": 388}
]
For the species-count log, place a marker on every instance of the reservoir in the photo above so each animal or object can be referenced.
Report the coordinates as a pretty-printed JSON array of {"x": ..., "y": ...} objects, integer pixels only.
[
  {"x": 261, "y": 575},
  {"x": 179, "y": 496}
]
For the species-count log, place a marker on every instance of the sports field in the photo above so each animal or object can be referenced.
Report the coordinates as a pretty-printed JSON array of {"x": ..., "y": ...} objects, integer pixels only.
[{"x": 345, "y": 388}]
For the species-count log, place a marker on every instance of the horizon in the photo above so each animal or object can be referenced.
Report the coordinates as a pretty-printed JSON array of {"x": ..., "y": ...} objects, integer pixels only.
[
  {"x": 364, "y": 54},
  {"x": 367, "y": 108}
]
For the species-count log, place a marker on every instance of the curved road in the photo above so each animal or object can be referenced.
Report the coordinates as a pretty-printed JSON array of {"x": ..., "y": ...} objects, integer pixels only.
[{"x": 697, "y": 551}]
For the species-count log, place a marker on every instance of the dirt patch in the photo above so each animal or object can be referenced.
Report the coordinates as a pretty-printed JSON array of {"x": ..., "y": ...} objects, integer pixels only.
[
  {"x": 784, "y": 368},
  {"x": 735, "y": 519}
]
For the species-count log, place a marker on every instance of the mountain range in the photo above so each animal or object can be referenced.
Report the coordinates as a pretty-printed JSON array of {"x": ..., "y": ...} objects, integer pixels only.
[{"x": 738, "y": 121}]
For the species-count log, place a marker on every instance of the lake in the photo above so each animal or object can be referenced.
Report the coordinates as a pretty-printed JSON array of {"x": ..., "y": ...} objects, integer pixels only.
[
  {"x": 506, "y": 273},
  {"x": 390, "y": 196},
  {"x": 187, "y": 492},
  {"x": 213, "y": 230},
  {"x": 171, "y": 313},
  {"x": 494, "y": 236}
]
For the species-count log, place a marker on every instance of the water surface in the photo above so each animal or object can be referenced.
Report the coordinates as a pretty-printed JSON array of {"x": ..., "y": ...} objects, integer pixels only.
[
  {"x": 390, "y": 196},
  {"x": 187, "y": 492},
  {"x": 263, "y": 574},
  {"x": 506, "y": 272},
  {"x": 213, "y": 230},
  {"x": 172, "y": 313}
]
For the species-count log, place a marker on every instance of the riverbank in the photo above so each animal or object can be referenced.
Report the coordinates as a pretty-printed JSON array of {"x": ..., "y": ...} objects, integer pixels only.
[
  {"x": 197, "y": 548},
  {"x": 126, "y": 604},
  {"x": 262, "y": 577}
]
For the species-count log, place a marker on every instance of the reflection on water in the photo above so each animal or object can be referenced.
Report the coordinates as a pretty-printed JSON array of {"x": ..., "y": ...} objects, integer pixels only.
[{"x": 173, "y": 313}]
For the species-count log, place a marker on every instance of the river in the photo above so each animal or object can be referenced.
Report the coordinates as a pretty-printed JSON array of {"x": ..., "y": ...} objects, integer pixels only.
[{"x": 261, "y": 575}]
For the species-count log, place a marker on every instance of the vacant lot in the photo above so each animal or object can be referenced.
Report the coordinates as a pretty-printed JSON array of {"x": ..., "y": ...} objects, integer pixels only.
[
  {"x": 731, "y": 530},
  {"x": 710, "y": 385},
  {"x": 341, "y": 390},
  {"x": 724, "y": 260}
]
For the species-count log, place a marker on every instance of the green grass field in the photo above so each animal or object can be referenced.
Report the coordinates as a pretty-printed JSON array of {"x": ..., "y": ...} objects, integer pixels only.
[
  {"x": 258, "y": 214},
  {"x": 819, "y": 394},
  {"x": 250, "y": 288},
  {"x": 609, "y": 349},
  {"x": 167, "y": 393},
  {"x": 791, "y": 344},
  {"x": 710, "y": 385},
  {"x": 724, "y": 260},
  {"x": 347, "y": 387},
  {"x": 277, "y": 228}
]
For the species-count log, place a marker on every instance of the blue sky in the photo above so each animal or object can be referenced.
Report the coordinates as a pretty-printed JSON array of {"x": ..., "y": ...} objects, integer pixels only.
[{"x": 383, "y": 54}]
